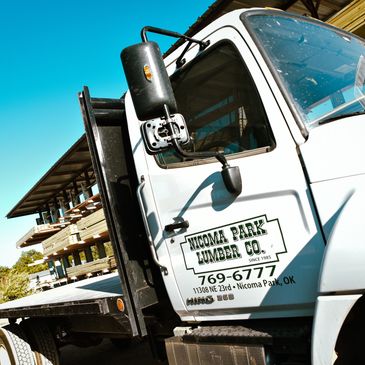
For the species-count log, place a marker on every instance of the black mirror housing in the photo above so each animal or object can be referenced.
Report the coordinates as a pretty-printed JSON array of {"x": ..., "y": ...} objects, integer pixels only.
[
  {"x": 232, "y": 179},
  {"x": 153, "y": 98},
  {"x": 148, "y": 81}
]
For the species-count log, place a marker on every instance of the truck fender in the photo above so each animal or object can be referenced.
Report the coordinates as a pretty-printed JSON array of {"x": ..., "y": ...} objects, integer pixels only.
[
  {"x": 343, "y": 268},
  {"x": 330, "y": 314},
  {"x": 342, "y": 276}
]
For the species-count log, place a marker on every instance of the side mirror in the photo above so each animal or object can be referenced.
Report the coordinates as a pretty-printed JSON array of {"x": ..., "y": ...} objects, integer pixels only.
[
  {"x": 155, "y": 105},
  {"x": 147, "y": 79}
]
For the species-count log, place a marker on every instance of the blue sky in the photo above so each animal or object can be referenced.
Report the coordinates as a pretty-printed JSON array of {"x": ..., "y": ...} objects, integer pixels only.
[{"x": 49, "y": 50}]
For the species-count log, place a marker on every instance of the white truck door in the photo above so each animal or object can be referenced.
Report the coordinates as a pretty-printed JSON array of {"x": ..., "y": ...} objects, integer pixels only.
[{"x": 251, "y": 256}]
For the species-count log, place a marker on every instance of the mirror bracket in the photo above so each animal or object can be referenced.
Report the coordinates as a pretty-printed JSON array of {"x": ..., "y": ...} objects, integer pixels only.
[
  {"x": 169, "y": 33},
  {"x": 181, "y": 60}
]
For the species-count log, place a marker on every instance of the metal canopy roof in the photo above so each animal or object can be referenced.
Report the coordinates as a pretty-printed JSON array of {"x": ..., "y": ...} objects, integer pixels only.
[
  {"x": 70, "y": 167},
  {"x": 321, "y": 9},
  {"x": 65, "y": 175}
]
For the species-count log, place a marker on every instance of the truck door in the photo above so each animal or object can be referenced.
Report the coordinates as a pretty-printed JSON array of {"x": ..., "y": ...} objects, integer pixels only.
[{"x": 248, "y": 256}]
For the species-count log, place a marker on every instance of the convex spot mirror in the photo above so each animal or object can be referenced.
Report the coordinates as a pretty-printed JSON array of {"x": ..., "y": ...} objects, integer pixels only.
[
  {"x": 156, "y": 136},
  {"x": 148, "y": 81}
]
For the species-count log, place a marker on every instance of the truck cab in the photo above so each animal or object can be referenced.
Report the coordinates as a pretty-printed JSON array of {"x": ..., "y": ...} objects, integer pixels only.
[
  {"x": 231, "y": 188},
  {"x": 280, "y": 97}
]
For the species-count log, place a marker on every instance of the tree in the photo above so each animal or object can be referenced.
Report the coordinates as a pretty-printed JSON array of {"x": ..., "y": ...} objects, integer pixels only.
[
  {"x": 14, "y": 285},
  {"x": 14, "y": 282},
  {"x": 29, "y": 257},
  {"x": 4, "y": 270}
]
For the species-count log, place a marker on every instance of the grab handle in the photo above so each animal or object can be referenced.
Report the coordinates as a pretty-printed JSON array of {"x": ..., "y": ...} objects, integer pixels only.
[{"x": 145, "y": 222}]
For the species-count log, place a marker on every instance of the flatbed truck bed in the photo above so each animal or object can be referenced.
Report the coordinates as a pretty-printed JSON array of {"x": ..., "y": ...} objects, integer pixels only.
[{"x": 97, "y": 295}]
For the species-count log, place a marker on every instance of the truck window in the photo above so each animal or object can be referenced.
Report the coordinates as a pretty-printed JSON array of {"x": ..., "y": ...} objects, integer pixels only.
[
  {"x": 221, "y": 105},
  {"x": 320, "y": 67}
]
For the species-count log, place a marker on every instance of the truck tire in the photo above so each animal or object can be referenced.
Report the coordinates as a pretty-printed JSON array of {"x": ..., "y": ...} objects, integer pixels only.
[
  {"x": 42, "y": 342},
  {"x": 14, "y": 348},
  {"x": 121, "y": 343}
]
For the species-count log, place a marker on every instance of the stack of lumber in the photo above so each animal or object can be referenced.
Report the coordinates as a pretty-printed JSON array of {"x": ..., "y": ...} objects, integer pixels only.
[
  {"x": 351, "y": 17},
  {"x": 89, "y": 268},
  {"x": 93, "y": 226},
  {"x": 37, "y": 234},
  {"x": 83, "y": 209},
  {"x": 61, "y": 241}
]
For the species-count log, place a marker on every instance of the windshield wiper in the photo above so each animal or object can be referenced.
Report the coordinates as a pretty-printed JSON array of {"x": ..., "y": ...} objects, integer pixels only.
[{"x": 345, "y": 115}]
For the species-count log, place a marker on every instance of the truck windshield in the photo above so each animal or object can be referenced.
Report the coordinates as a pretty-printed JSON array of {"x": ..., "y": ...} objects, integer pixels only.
[{"x": 322, "y": 69}]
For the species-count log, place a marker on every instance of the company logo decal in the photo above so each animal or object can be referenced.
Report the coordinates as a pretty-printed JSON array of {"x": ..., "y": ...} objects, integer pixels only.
[{"x": 245, "y": 243}]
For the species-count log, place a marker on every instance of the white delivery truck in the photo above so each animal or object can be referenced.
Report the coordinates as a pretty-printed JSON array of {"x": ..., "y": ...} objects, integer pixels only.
[{"x": 233, "y": 187}]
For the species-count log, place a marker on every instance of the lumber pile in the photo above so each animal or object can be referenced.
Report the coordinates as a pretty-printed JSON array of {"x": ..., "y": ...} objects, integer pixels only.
[
  {"x": 351, "y": 17},
  {"x": 62, "y": 240},
  {"x": 83, "y": 209},
  {"x": 89, "y": 268},
  {"x": 80, "y": 228},
  {"x": 92, "y": 226},
  {"x": 37, "y": 234},
  {"x": 86, "y": 218}
]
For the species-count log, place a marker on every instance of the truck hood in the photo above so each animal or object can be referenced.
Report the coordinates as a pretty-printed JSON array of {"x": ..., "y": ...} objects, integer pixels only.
[{"x": 335, "y": 150}]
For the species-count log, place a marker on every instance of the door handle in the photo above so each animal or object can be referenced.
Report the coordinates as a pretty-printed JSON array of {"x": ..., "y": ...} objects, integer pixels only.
[
  {"x": 147, "y": 228},
  {"x": 178, "y": 225}
]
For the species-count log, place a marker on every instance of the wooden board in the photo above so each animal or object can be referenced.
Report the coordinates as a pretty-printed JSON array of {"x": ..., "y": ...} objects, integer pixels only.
[
  {"x": 351, "y": 17},
  {"x": 100, "y": 265},
  {"x": 93, "y": 227},
  {"x": 61, "y": 240},
  {"x": 91, "y": 219},
  {"x": 37, "y": 234},
  {"x": 95, "y": 232},
  {"x": 86, "y": 206}
]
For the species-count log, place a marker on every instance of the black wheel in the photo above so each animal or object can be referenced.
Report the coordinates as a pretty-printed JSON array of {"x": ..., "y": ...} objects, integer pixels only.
[
  {"x": 42, "y": 342},
  {"x": 14, "y": 348},
  {"x": 350, "y": 342}
]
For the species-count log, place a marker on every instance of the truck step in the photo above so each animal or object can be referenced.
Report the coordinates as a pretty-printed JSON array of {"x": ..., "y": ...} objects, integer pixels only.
[
  {"x": 183, "y": 353},
  {"x": 228, "y": 334}
]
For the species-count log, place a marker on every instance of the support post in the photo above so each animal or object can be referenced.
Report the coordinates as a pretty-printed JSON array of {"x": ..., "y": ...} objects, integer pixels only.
[
  {"x": 65, "y": 262},
  {"x": 61, "y": 204},
  {"x": 76, "y": 258},
  {"x": 66, "y": 200},
  {"x": 76, "y": 191},
  {"x": 88, "y": 254},
  {"x": 101, "y": 250},
  {"x": 88, "y": 183},
  {"x": 40, "y": 219},
  {"x": 85, "y": 192}
]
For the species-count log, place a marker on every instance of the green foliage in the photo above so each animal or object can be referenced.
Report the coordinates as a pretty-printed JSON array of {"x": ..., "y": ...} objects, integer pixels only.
[
  {"x": 14, "y": 285},
  {"x": 4, "y": 270},
  {"x": 28, "y": 257},
  {"x": 94, "y": 252},
  {"x": 14, "y": 282}
]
